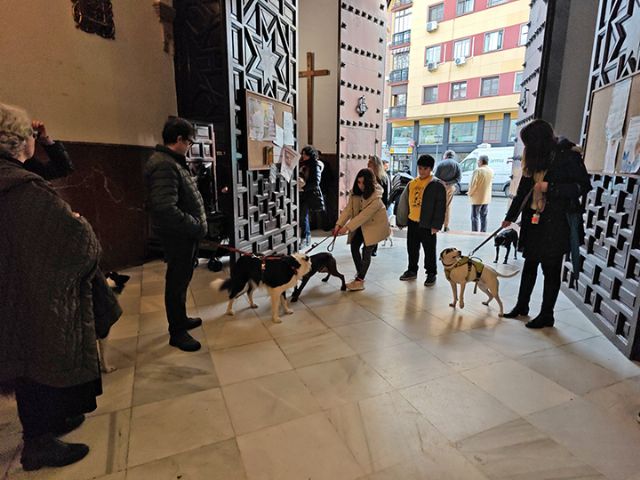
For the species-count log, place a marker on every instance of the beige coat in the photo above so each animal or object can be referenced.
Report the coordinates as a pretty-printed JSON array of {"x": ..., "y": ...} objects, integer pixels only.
[
  {"x": 368, "y": 214},
  {"x": 480, "y": 187}
]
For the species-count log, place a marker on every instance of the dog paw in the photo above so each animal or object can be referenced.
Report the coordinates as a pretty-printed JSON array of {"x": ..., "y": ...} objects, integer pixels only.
[
  {"x": 485, "y": 304},
  {"x": 253, "y": 305},
  {"x": 289, "y": 312},
  {"x": 461, "y": 305},
  {"x": 276, "y": 320},
  {"x": 294, "y": 299},
  {"x": 453, "y": 305},
  {"x": 230, "y": 313}
]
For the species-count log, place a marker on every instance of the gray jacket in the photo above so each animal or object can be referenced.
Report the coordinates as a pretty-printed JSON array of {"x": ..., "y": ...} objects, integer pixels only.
[{"x": 448, "y": 171}]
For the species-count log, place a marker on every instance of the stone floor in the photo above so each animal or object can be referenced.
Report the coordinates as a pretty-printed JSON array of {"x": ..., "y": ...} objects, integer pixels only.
[{"x": 387, "y": 383}]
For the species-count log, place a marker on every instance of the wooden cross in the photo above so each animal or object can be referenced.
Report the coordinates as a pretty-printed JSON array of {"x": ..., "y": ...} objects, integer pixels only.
[{"x": 309, "y": 74}]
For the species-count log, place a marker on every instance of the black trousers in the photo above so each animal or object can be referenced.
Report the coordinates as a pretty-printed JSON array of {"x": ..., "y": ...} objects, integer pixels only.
[
  {"x": 180, "y": 255},
  {"x": 417, "y": 237},
  {"x": 42, "y": 409},
  {"x": 552, "y": 271},
  {"x": 362, "y": 260}
]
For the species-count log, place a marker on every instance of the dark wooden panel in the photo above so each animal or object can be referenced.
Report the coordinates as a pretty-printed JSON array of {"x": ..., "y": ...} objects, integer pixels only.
[{"x": 107, "y": 189}]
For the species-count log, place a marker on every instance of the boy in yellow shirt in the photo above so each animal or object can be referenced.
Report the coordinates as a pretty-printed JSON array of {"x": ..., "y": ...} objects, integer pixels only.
[{"x": 422, "y": 209}]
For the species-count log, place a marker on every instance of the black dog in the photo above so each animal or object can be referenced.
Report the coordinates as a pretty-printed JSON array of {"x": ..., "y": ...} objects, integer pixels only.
[
  {"x": 118, "y": 280},
  {"x": 320, "y": 262},
  {"x": 506, "y": 239}
]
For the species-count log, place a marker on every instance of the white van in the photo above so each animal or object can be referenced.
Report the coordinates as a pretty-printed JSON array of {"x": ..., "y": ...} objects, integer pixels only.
[{"x": 500, "y": 161}]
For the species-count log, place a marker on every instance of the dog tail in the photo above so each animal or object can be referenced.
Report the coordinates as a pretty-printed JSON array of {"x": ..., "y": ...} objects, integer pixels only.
[
  {"x": 222, "y": 284},
  {"x": 509, "y": 275}
]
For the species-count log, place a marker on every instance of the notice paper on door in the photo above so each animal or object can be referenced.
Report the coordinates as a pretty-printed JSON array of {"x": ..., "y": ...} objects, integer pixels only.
[
  {"x": 287, "y": 119},
  {"x": 631, "y": 151}
]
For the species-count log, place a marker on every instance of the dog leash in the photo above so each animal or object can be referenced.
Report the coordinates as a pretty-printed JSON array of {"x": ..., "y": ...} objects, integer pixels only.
[
  {"x": 317, "y": 244},
  {"x": 524, "y": 202}
]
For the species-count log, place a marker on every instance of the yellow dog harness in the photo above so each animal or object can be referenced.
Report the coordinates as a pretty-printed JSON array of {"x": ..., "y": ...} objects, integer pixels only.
[{"x": 470, "y": 263}]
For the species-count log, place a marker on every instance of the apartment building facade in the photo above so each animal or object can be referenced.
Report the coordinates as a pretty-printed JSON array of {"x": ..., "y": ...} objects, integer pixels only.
[{"x": 454, "y": 76}]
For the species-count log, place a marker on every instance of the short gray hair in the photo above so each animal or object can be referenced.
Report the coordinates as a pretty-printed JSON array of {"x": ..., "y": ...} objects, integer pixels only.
[
  {"x": 15, "y": 128},
  {"x": 449, "y": 154},
  {"x": 483, "y": 159}
]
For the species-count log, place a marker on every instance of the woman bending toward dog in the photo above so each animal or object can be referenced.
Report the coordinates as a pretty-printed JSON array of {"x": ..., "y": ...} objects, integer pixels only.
[
  {"x": 554, "y": 172},
  {"x": 365, "y": 220}
]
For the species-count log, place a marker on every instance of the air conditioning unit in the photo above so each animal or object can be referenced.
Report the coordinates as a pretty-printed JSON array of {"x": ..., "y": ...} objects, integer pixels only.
[
  {"x": 460, "y": 61},
  {"x": 432, "y": 26},
  {"x": 431, "y": 66}
]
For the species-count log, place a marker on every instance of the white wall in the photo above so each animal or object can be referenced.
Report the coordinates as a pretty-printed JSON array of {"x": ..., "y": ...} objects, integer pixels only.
[
  {"x": 318, "y": 30},
  {"x": 87, "y": 88}
]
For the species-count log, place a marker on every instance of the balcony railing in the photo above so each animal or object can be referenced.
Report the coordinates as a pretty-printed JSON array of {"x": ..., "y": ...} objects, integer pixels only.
[
  {"x": 399, "y": 75},
  {"x": 401, "y": 38},
  {"x": 399, "y": 111}
]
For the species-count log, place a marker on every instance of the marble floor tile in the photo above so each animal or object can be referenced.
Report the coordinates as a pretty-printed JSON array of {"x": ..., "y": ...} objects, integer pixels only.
[
  {"x": 346, "y": 313},
  {"x": 234, "y": 331},
  {"x": 406, "y": 364},
  {"x": 154, "y": 322},
  {"x": 601, "y": 351},
  {"x": 386, "y": 305},
  {"x": 126, "y": 326},
  {"x": 120, "y": 352},
  {"x": 621, "y": 400},
  {"x": 518, "y": 451},
  {"x": 170, "y": 377},
  {"x": 267, "y": 401},
  {"x": 325, "y": 294},
  {"x": 106, "y": 436},
  {"x": 208, "y": 296},
  {"x": 217, "y": 311},
  {"x": 169, "y": 427},
  {"x": 342, "y": 381},
  {"x": 130, "y": 305},
  {"x": 114, "y": 476},
  {"x": 155, "y": 303},
  {"x": 457, "y": 407},
  {"x": 155, "y": 287},
  {"x": 521, "y": 389},
  {"x": 514, "y": 339},
  {"x": 367, "y": 336},
  {"x": 561, "y": 366},
  {"x": 426, "y": 467},
  {"x": 155, "y": 346},
  {"x": 117, "y": 391},
  {"x": 249, "y": 361},
  {"x": 10, "y": 442},
  {"x": 385, "y": 430},
  {"x": 599, "y": 439},
  {"x": 305, "y": 349},
  {"x": 417, "y": 324},
  {"x": 219, "y": 461},
  {"x": 305, "y": 448},
  {"x": 460, "y": 351},
  {"x": 301, "y": 321}
]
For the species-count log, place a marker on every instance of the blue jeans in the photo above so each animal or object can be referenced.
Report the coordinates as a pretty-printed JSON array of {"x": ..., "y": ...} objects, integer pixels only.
[{"x": 479, "y": 211}]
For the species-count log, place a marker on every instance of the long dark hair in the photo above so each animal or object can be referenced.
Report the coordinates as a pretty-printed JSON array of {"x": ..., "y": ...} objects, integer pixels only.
[
  {"x": 369, "y": 183},
  {"x": 539, "y": 141},
  {"x": 311, "y": 152}
]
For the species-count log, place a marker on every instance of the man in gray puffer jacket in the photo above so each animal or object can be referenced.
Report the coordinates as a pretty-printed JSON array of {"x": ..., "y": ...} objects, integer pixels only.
[{"x": 178, "y": 218}]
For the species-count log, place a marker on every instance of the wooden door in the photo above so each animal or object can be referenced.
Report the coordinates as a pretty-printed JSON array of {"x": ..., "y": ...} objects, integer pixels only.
[{"x": 362, "y": 53}]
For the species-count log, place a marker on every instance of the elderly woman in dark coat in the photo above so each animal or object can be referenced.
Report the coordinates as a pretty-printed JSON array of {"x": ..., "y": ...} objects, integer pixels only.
[
  {"x": 48, "y": 257},
  {"x": 554, "y": 178},
  {"x": 311, "y": 198}
]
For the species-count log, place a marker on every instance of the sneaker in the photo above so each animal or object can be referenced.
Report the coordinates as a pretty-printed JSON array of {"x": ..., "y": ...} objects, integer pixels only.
[
  {"x": 192, "y": 323},
  {"x": 184, "y": 342},
  {"x": 430, "y": 281},
  {"x": 408, "y": 275},
  {"x": 356, "y": 285},
  {"x": 47, "y": 451}
]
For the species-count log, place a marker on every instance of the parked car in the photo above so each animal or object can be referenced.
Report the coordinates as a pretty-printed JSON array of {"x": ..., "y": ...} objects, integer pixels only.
[{"x": 500, "y": 161}]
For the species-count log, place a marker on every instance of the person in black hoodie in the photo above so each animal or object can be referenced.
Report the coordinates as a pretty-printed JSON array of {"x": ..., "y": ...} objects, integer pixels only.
[
  {"x": 553, "y": 181},
  {"x": 311, "y": 198},
  {"x": 178, "y": 217}
]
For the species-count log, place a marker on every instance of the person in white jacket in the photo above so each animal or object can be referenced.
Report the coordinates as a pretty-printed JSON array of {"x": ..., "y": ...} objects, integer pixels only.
[
  {"x": 365, "y": 220},
  {"x": 480, "y": 193}
]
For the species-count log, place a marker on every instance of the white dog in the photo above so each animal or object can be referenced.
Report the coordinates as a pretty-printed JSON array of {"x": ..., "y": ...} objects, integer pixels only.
[{"x": 461, "y": 270}]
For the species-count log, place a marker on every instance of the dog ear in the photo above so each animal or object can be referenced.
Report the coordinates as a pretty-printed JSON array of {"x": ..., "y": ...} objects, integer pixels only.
[{"x": 292, "y": 262}]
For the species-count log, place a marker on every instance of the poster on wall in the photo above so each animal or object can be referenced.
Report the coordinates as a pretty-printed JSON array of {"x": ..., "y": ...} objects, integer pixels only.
[
  {"x": 289, "y": 138},
  {"x": 256, "y": 120},
  {"x": 631, "y": 151},
  {"x": 618, "y": 109},
  {"x": 289, "y": 162}
]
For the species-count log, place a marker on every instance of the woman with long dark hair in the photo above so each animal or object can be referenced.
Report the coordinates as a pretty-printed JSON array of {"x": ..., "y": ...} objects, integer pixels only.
[
  {"x": 553, "y": 180},
  {"x": 365, "y": 220},
  {"x": 311, "y": 198}
]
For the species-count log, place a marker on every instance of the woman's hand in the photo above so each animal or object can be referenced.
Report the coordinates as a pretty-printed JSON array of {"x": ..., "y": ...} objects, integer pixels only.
[
  {"x": 541, "y": 187},
  {"x": 343, "y": 231},
  {"x": 506, "y": 224}
]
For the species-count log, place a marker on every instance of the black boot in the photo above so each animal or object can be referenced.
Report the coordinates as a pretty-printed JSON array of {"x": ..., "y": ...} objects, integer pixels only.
[
  {"x": 184, "y": 342},
  {"x": 541, "y": 321},
  {"x": 516, "y": 312},
  {"x": 68, "y": 425},
  {"x": 192, "y": 323},
  {"x": 47, "y": 451}
]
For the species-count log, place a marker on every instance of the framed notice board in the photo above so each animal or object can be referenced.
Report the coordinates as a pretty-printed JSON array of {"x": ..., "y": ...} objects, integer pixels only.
[
  {"x": 596, "y": 143},
  {"x": 269, "y": 128}
]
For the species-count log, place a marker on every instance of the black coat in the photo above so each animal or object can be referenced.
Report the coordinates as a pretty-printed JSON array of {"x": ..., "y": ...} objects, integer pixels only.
[
  {"x": 173, "y": 199},
  {"x": 58, "y": 166},
  {"x": 568, "y": 181},
  {"x": 311, "y": 195}
]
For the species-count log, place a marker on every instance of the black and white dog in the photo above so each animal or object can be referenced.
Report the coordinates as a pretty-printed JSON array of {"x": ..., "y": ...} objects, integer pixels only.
[
  {"x": 507, "y": 238},
  {"x": 276, "y": 273},
  {"x": 322, "y": 262}
]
